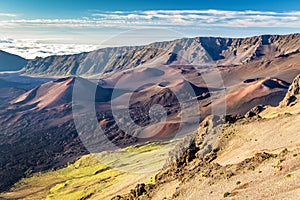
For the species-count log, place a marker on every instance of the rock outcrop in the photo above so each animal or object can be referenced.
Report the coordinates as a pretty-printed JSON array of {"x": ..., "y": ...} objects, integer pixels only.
[
  {"x": 293, "y": 93},
  {"x": 255, "y": 111}
]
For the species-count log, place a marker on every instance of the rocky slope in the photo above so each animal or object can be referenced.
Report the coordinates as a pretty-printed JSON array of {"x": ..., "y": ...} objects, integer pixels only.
[
  {"x": 200, "y": 50},
  {"x": 234, "y": 157},
  {"x": 293, "y": 93}
]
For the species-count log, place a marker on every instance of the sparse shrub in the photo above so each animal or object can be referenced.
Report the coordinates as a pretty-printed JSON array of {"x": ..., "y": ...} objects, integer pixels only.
[
  {"x": 251, "y": 168},
  {"x": 238, "y": 182},
  {"x": 288, "y": 176},
  {"x": 205, "y": 175},
  {"x": 295, "y": 155},
  {"x": 151, "y": 178},
  {"x": 226, "y": 194}
]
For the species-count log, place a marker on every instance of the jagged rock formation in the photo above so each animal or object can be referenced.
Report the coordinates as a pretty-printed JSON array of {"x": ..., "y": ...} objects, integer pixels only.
[
  {"x": 293, "y": 93},
  {"x": 255, "y": 111}
]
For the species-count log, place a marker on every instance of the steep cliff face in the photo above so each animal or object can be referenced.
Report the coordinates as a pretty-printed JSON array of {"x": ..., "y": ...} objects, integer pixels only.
[
  {"x": 241, "y": 51},
  {"x": 195, "y": 51}
]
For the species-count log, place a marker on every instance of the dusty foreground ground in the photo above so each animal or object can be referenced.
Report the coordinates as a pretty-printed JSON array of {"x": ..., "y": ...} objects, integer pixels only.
[
  {"x": 275, "y": 178},
  {"x": 261, "y": 160}
]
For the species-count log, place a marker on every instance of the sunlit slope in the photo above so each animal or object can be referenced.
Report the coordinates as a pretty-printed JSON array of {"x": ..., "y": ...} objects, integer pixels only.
[{"x": 98, "y": 176}]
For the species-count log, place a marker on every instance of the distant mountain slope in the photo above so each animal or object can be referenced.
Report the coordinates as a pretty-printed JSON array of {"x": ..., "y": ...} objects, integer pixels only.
[
  {"x": 224, "y": 51},
  {"x": 10, "y": 62}
]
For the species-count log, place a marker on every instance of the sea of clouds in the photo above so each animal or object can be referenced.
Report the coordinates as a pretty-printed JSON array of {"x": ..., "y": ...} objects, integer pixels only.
[{"x": 30, "y": 49}]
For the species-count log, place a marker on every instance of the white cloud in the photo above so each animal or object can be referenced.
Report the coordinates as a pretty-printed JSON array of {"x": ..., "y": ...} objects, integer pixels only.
[
  {"x": 8, "y": 15},
  {"x": 203, "y": 18},
  {"x": 32, "y": 48},
  {"x": 167, "y": 18}
]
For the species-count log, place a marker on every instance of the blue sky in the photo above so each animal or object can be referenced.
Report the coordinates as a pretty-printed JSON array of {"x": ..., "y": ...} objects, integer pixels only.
[
  {"x": 72, "y": 8},
  {"x": 95, "y": 21}
]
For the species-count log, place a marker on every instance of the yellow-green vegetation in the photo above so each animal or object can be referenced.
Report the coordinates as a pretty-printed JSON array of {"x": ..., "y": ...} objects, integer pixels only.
[
  {"x": 98, "y": 176},
  {"x": 226, "y": 194},
  {"x": 140, "y": 158},
  {"x": 238, "y": 183},
  {"x": 288, "y": 176},
  {"x": 144, "y": 148},
  {"x": 150, "y": 180},
  {"x": 75, "y": 181}
]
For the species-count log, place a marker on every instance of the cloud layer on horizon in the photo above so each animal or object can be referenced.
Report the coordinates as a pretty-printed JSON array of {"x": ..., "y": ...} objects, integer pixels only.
[{"x": 32, "y": 48}]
